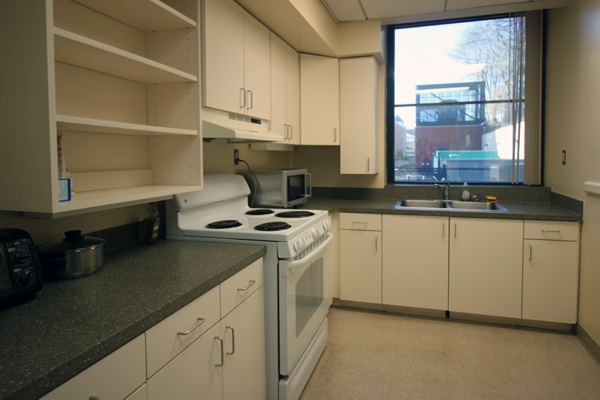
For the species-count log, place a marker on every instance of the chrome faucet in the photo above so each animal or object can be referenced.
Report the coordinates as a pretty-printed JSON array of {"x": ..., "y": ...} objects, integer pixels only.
[{"x": 445, "y": 191}]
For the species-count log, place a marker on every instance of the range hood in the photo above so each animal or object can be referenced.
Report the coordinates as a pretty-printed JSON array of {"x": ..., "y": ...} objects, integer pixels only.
[{"x": 224, "y": 127}]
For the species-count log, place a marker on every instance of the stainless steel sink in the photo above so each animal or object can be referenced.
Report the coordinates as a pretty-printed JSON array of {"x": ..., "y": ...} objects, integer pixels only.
[
  {"x": 421, "y": 204},
  {"x": 448, "y": 205},
  {"x": 476, "y": 206}
]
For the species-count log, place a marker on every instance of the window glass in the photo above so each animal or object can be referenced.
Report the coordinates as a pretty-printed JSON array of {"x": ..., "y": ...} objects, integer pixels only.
[{"x": 458, "y": 102}]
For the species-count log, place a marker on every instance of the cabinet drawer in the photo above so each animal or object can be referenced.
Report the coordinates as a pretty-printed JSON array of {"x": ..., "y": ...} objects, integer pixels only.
[
  {"x": 164, "y": 341},
  {"x": 552, "y": 230},
  {"x": 240, "y": 286},
  {"x": 360, "y": 222},
  {"x": 114, "y": 377}
]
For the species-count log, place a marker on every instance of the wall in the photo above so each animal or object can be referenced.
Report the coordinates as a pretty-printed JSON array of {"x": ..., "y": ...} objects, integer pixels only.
[
  {"x": 572, "y": 105},
  {"x": 218, "y": 159}
]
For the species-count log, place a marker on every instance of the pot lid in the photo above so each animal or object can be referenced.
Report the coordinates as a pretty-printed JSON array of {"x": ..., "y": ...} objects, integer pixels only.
[{"x": 72, "y": 241}]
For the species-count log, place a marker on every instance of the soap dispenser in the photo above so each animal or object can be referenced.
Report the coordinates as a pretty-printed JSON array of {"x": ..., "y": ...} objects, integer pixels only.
[{"x": 465, "y": 194}]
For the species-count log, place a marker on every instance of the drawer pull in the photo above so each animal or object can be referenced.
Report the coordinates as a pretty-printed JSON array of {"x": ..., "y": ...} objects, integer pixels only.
[
  {"x": 530, "y": 252},
  {"x": 544, "y": 230},
  {"x": 359, "y": 222},
  {"x": 220, "y": 339},
  {"x": 193, "y": 328},
  {"x": 247, "y": 287},
  {"x": 232, "y": 340},
  {"x": 94, "y": 398}
]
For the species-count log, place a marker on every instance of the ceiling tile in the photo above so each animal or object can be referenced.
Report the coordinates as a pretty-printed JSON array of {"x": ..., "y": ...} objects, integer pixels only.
[
  {"x": 345, "y": 10},
  {"x": 376, "y": 9},
  {"x": 460, "y": 4}
]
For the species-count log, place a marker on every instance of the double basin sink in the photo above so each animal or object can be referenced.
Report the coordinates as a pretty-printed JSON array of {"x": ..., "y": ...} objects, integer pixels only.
[{"x": 449, "y": 205}]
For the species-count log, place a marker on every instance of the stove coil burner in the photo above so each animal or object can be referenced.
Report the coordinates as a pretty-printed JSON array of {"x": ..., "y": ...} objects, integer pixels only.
[
  {"x": 230, "y": 223},
  {"x": 259, "y": 212},
  {"x": 295, "y": 214},
  {"x": 273, "y": 226}
]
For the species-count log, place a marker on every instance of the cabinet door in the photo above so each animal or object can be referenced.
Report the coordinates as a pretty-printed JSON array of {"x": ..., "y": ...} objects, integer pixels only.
[
  {"x": 360, "y": 266},
  {"x": 486, "y": 266},
  {"x": 193, "y": 374},
  {"x": 278, "y": 87},
  {"x": 140, "y": 394},
  {"x": 223, "y": 55},
  {"x": 319, "y": 100},
  {"x": 550, "y": 280},
  {"x": 243, "y": 333},
  {"x": 292, "y": 88},
  {"x": 359, "y": 115},
  {"x": 415, "y": 261},
  {"x": 114, "y": 377},
  {"x": 257, "y": 68}
]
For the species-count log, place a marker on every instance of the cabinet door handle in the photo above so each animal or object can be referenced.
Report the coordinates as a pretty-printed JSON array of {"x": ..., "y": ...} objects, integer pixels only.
[
  {"x": 455, "y": 229},
  {"x": 285, "y": 127},
  {"x": 232, "y": 340},
  {"x": 220, "y": 339},
  {"x": 368, "y": 164},
  {"x": 443, "y": 228},
  {"x": 94, "y": 398},
  {"x": 251, "y": 99},
  {"x": 359, "y": 222},
  {"x": 530, "y": 252},
  {"x": 376, "y": 243},
  {"x": 242, "y": 96},
  {"x": 291, "y": 131},
  {"x": 193, "y": 328},
  {"x": 544, "y": 230},
  {"x": 334, "y": 135},
  {"x": 247, "y": 287}
]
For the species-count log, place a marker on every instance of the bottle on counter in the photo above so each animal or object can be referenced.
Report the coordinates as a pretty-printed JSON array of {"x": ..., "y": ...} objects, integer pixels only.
[
  {"x": 150, "y": 225},
  {"x": 466, "y": 196}
]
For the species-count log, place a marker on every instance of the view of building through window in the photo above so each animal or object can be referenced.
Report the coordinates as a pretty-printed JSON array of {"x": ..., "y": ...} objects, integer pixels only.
[{"x": 456, "y": 117}]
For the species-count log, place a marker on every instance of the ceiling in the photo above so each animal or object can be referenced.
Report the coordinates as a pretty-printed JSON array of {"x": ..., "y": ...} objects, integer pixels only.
[{"x": 392, "y": 10}]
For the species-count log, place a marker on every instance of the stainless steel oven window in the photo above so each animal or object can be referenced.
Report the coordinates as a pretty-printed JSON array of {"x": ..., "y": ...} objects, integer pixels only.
[{"x": 310, "y": 294}]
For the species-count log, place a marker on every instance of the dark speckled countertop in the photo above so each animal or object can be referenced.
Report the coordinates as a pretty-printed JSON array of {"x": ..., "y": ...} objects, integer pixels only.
[
  {"x": 515, "y": 210},
  {"x": 72, "y": 324}
]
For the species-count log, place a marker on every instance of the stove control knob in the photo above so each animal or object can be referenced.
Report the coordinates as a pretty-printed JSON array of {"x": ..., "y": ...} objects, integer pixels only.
[
  {"x": 326, "y": 225},
  {"x": 302, "y": 243},
  {"x": 315, "y": 233},
  {"x": 297, "y": 245}
]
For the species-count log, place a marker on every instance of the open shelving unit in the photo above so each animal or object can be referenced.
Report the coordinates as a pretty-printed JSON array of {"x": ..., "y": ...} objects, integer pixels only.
[{"x": 125, "y": 104}]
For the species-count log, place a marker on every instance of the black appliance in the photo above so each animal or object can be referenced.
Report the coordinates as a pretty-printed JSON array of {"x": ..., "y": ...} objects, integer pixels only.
[{"x": 20, "y": 268}]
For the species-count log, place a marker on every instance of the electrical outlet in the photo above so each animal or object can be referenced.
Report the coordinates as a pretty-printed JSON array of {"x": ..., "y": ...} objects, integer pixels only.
[{"x": 236, "y": 157}]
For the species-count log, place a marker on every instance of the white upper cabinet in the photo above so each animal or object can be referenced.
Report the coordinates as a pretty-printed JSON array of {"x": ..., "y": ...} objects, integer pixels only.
[
  {"x": 237, "y": 73},
  {"x": 319, "y": 100},
  {"x": 359, "y": 115},
  {"x": 285, "y": 91},
  {"x": 118, "y": 85}
]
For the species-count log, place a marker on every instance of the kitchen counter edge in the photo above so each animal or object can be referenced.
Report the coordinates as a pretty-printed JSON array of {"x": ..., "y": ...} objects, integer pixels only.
[{"x": 525, "y": 211}]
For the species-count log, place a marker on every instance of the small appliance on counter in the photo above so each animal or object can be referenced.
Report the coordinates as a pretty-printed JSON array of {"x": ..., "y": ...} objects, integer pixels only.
[
  {"x": 20, "y": 268},
  {"x": 279, "y": 188},
  {"x": 73, "y": 257}
]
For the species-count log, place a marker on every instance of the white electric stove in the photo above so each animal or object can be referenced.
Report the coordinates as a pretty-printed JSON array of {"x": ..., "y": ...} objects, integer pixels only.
[{"x": 295, "y": 270}]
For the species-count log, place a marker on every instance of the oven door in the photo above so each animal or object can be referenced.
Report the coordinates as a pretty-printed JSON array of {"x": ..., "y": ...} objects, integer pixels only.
[{"x": 303, "y": 303}]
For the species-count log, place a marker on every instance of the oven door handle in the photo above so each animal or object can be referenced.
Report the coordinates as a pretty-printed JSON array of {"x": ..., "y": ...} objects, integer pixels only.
[{"x": 311, "y": 256}]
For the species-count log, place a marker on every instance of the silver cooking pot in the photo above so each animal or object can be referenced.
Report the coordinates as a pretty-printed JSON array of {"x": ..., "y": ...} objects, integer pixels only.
[{"x": 73, "y": 257}]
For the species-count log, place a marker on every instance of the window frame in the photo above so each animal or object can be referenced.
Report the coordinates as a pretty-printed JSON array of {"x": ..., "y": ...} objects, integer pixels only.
[{"x": 390, "y": 98}]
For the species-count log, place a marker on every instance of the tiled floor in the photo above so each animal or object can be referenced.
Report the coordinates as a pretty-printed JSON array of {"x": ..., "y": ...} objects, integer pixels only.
[{"x": 372, "y": 355}]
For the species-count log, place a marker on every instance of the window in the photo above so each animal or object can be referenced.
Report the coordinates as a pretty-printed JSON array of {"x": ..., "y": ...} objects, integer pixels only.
[{"x": 458, "y": 105}]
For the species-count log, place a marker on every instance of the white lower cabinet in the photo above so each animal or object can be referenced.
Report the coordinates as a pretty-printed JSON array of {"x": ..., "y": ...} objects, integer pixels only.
[
  {"x": 360, "y": 258},
  {"x": 486, "y": 269},
  {"x": 243, "y": 333},
  {"x": 114, "y": 377},
  {"x": 551, "y": 272},
  {"x": 140, "y": 394},
  {"x": 415, "y": 261}
]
